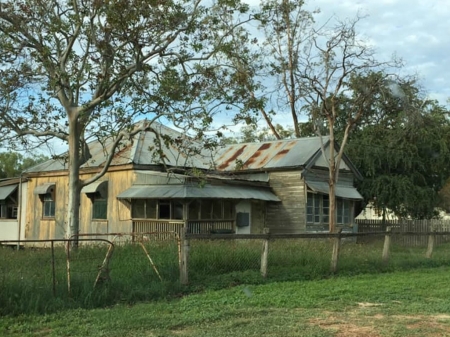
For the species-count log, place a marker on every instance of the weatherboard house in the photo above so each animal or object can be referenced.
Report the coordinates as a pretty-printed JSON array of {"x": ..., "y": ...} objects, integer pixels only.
[{"x": 239, "y": 188}]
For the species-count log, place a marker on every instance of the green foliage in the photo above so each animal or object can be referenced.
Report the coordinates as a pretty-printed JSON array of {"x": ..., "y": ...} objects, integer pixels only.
[
  {"x": 402, "y": 147},
  {"x": 12, "y": 164}
]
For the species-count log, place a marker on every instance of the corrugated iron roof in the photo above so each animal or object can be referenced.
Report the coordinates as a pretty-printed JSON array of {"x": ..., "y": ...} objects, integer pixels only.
[
  {"x": 342, "y": 191},
  {"x": 188, "y": 153},
  {"x": 5, "y": 191},
  {"x": 268, "y": 155},
  {"x": 196, "y": 192},
  {"x": 141, "y": 150}
]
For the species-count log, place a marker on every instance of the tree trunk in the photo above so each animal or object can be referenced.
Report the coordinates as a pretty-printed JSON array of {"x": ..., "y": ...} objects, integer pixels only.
[
  {"x": 332, "y": 183},
  {"x": 332, "y": 210},
  {"x": 73, "y": 206}
]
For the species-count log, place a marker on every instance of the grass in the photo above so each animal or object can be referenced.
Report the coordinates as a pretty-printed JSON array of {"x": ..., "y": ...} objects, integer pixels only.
[
  {"x": 27, "y": 287},
  {"x": 407, "y": 303}
]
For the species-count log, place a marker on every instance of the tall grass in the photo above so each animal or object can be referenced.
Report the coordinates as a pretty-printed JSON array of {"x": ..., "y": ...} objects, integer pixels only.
[{"x": 26, "y": 282}]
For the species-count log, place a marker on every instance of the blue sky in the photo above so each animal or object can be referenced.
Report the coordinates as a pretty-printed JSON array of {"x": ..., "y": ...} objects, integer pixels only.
[{"x": 417, "y": 31}]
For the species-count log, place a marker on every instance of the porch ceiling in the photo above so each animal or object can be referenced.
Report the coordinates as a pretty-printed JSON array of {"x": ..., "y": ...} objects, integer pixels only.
[
  {"x": 5, "y": 191},
  {"x": 346, "y": 192},
  {"x": 205, "y": 192}
]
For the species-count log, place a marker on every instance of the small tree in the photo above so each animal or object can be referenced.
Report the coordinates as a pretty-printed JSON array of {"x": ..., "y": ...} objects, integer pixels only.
[
  {"x": 78, "y": 69},
  {"x": 333, "y": 58}
]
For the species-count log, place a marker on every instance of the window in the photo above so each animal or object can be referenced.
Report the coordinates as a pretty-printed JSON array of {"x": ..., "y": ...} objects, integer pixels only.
[
  {"x": 211, "y": 209},
  {"x": 99, "y": 206},
  {"x": 314, "y": 208},
  {"x": 8, "y": 205},
  {"x": 343, "y": 208},
  {"x": 157, "y": 209},
  {"x": 48, "y": 206},
  {"x": 318, "y": 208},
  {"x": 3, "y": 210},
  {"x": 164, "y": 210}
]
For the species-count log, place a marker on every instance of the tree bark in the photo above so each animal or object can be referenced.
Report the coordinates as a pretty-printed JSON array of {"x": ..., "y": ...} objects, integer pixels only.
[
  {"x": 332, "y": 183},
  {"x": 73, "y": 206}
]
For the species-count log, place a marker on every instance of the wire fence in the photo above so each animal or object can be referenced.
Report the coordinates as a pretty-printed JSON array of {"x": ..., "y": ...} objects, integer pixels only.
[{"x": 131, "y": 267}]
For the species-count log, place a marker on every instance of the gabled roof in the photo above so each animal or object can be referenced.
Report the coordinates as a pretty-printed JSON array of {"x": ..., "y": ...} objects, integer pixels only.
[
  {"x": 141, "y": 150},
  {"x": 288, "y": 153},
  {"x": 185, "y": 152}
]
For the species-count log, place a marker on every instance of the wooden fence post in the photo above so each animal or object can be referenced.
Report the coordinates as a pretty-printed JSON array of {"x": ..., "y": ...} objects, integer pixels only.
[
  {"x": 431, "y": 241},
  {"x": 387, "y": 244},
  {"x": 184, "y": 265},
  {"x": 335, "y": 253},
  {"x": 265, "y": 254}
]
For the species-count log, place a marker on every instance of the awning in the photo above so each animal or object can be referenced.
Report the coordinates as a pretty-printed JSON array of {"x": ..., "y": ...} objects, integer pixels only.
[
  {"x": 44, "y": 188},
  {"x": 96, "y": 186},
  {"x": 205, "y": 192},
  {"x": 342, "y": 191},
  {"x": 5, "y": 191}
]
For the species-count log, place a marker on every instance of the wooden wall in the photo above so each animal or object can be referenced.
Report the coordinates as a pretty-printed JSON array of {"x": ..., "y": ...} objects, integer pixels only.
[
  {"x": 258, "y": 217},
  {"x": 118, "y": 215},
  {"x": 289, "y": 216}
]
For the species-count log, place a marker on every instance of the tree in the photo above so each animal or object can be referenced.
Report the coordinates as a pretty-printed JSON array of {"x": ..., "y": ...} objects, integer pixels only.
[
  {"x": 336, "y": 56},
  {"x": 12, "y": 164},
  {"x": 82, "y": 69},
  {"x": 402, "y": 148}
]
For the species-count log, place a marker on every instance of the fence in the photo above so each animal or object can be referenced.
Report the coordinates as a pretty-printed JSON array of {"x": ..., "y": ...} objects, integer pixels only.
[
  {"x": 405, "y": 226},
  {"x": 139, "y": 266}
]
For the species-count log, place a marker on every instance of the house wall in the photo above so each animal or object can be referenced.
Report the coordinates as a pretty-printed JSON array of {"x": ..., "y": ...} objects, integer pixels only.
[
  {"x": 118, "y": 213},
  {"x": 258, "y": 217},
  {"x": 289, "y": 216}
]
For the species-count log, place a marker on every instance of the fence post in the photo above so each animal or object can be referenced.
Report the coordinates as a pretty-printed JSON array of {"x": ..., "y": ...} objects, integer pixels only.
[
  {"x": 387, "y": 244},
  {"x": 53, "y": 269},
  {"x": 265, "y": 254},
  {"x": 335, "y": 253},
  {"x": 184, "y": 267},
  {"x": 431, "y": 240}
]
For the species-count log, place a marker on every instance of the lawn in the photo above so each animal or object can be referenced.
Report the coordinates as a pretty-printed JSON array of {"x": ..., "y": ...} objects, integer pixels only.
[{"x": 402, "y": 303}]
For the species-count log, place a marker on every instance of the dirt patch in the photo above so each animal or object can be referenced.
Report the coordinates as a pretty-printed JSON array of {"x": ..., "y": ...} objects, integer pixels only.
[
  {"x": 343, "y": 328},
  {"x": 354, "y": 323}
]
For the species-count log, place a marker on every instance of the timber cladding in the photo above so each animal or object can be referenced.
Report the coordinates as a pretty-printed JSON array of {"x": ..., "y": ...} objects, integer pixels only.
[
  {"x": 290, "y": 214},
  {"x": 40, "y": 227}
]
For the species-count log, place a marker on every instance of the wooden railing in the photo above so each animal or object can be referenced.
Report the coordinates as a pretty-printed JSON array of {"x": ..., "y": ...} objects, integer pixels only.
[
  {"x": 165, "y": 227},
  {"x": 210, "y": 226},
  {"x": 402, "y": 226}
]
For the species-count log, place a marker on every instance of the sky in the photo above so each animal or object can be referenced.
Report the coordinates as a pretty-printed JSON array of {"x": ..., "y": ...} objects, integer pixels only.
[{"x": 417, "y": 31}]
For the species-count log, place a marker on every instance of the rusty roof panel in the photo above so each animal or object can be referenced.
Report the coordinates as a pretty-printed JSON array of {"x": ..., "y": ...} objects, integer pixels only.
[{"x": 268, "y": 155}]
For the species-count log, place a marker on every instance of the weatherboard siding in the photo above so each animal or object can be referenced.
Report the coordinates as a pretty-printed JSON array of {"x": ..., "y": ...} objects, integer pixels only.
[
  {"x": 289, "y": 215},
  {"x": 38, "y": 228}
]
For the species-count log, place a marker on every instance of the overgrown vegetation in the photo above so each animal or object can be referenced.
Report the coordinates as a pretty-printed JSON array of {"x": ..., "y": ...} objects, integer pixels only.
[{"x": 27, "y": 288}]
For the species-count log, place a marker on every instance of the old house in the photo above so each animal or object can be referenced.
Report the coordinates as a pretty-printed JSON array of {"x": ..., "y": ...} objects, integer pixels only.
[
  {"x": 10, "y": 218},
  {"x": 241, "y": 188}
]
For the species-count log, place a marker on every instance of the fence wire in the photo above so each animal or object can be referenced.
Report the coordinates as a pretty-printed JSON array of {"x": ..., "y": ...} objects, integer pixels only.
[{"x": 143, "y": 267}]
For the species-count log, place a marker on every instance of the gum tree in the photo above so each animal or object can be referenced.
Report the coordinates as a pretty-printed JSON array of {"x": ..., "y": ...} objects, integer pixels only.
[
  {"x": 80, "y": 69},
  {"x": 333, "y": 58}
]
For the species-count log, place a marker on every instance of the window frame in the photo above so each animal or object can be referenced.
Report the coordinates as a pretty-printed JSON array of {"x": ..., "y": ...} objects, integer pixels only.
[
  {"x": 48, "y": 199},
  {"x": 99, "y": 206},
  {"x": 320, "y": 203}
]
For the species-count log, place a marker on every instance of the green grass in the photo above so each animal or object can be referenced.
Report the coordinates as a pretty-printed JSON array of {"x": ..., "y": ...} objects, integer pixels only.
[
  {"x": 26, "y": 276},
  {"x": 407, "y": 303}
]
